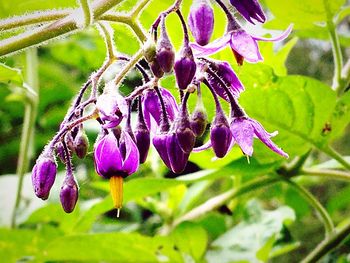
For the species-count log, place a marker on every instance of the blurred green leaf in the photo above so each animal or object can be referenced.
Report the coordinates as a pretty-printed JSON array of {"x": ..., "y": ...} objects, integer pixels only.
[
  {"x": 252, "y": 239},
  {"x": 341, "y": 116}
]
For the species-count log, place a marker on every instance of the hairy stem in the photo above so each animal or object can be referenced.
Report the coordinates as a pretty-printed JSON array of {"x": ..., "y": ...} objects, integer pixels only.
[
  {"x": 132, "y": 62},
  {"x": 322, "y": 212},
  {"x": 107, "y": 34},
  {"x": 88, "y": 18},
  {"x": 138, "y": 8},
  {"x": 27, "y": 136},
  {"x": 56, "y": 29}
]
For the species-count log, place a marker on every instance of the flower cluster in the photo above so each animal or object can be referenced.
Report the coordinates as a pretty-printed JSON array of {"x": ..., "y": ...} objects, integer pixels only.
[{"x": 161, "y": 121}]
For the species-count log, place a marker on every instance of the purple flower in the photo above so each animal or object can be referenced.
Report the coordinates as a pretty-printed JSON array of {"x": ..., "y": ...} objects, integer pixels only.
[
  {"x": 228, "y": 76},
  {"x": 177, "y": 157},
  {"x": 116, "y": 156},
  {"x": 69, "y": 194},
  {"x": 249, "y": 9},
  {"x": 201, "y": 21},
  {"x": 112, "y": 109},
  {"x": 142, "y": 138},
  {"x": 159, "y": 142},
  {"x": 245, "y": 129},
  {"x": 244, "y": 45},
  {"x": 152, "y": 107},
  {"x": 43, "y": 176}
]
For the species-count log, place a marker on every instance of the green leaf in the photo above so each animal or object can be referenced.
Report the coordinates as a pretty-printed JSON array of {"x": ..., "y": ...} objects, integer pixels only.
[
  {"x": 191, "y": 239},
  {"x": 304, "y": 13},
  {"x": 10, "y": 75},
  {"x": 341, "y": 116},
  {"x": 252, "y": 239},
  {"x": 297, "y": 107}
]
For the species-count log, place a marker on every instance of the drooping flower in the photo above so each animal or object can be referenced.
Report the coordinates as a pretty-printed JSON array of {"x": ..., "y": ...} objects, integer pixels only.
[
  {"x": 244, "y": 129},
  {"x": 243, "y": 44},
  {"x": 152, "y": 107},
  {"x": 201, "y": 21},
  {"x": 116, "y": 158},
  {"x": 142, "y": 135},
  {"x": 112, "y": 109},
  {"x": 223, "y": 70},
  {"x": 250, "y": 9},
  {"x": 44, "y": 175}
]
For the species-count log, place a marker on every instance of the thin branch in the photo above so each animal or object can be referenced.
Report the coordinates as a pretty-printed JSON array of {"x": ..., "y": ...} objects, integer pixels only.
[
  {"x": 336, "y": 156},
  {"x": 107, "y": 33},
  {"x": 321, "y": 211},
  {"x": 333, "y": 174},
  {"x": 137, "y": 56},
  {"x": 328, "y": 245},
  {"x": 138, "y": 8},
  {"x": 88, "y": 18}
]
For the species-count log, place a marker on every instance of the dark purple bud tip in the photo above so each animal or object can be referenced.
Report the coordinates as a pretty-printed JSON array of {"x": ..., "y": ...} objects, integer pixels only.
[
  {"x": 159, "y": 142},
  {"x": 220, "y": 136},
  {"x": 184, "y": 135},
  {"x": 69, "y": 195},
  {"x": 201, "y": 21},
  {"x": 177, "y": 157},
  {"x": 199, "y": 121},
  {"x": 156, "y": 69},
  {"x": 249, "y": 9},
  {"x": 81, "y": 144},
  {"x": 43, "y": 176},
  {"x": 142, "y": 136},
  {"x": 149, "y": 50},
  {"x": 185, "y": 69},
  {"x": 165, "y": 50}
]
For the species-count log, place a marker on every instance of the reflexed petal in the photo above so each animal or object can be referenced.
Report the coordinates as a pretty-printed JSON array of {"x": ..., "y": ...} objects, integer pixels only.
[
  {"x": 205, "y": 146},
  {"x": 212, "y": 47},
  {"x": 246, "y": 46},
  {"x": 264, "y": 136},
  {"x": 132, "y": 156},
  {"x": 284, "y": 35},
  {"x": 249, "y": 9},
  {"x": 243, "y": 134}
]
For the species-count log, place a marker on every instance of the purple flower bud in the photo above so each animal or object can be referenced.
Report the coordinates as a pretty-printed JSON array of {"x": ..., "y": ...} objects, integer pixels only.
[
  {"x": 185, "y": 68},
  {"x": 152, "y": 107},
  {"x": 156, "y": 69},
  {"x": 201, "y": 21},
  {"x": 160, "y": 143},
  {"x": 142, "y": 137},
  {"x": 43, "y": 176},
  {"x": 249, "y": 9},
  {"x": 165, "y": 50},
  {"x": 69, "y": 194},
  {"x": 177, "y": 157},
  {"x": 112, "y": 107},
  {"x": 116, "y": 156},
  {"x": 149, "y": 50},
  {"x": 220, "y": 135},
  {"x": 199, "y": 121},
  {"x": 184, "y": 135},
  {"x": 81, "y": 144},
  {"x": 59, "y": 149}
]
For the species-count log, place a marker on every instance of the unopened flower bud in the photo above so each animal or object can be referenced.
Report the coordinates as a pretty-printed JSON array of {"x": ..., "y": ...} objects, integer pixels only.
[
  {"x": 43, "y": 176},
  {"x": 201, "y": 21},
  {"x": 165, "y": 50},
  {"x": 177, "y": 157},
  {"x": 142, "y": 137},
  {"x": 149, "y": 50},
  {"x": 69, "y": 194},
  {"x": 199, "y": 121},
  {"x": 59, "y": 149},
  {"x": 185, "y": 68},
  {"x": 220, "y": 135},
  {"x": 81, "y": 144},
  {"x": 156, "y": 69},
  {"x": 159, "y": 142},
  {"x": 185, "y": 136}
]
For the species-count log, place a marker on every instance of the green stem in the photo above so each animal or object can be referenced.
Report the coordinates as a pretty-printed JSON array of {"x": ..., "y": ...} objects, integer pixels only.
[
  {"x": 328, "y": 244},
  {"x": 56, "y": 29},
  {"x": 336, "y": 156},
  {"x": 345, "y": 78},
  {"x": 221, "y": 199},
  {"x": 322, "y": 212},
  {"x": 27, "y": 136},
  {"x": 337, "y": 55},
  {"x": 333, "y": 174},
  {"x": 87, "y": 12},
  {"x": 33, "y": 18},
  {"x": 137, "y": 10},
  {"x": 107, "y": 34},
  {"x": 131, "y": 63}
]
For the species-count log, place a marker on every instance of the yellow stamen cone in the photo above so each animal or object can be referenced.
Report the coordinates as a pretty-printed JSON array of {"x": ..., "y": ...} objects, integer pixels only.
[{"x": 116, "y": 186}]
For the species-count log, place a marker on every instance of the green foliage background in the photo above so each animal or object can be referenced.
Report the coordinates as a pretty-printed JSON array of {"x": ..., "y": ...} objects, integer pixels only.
[{"x": 289, "y": 92}]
